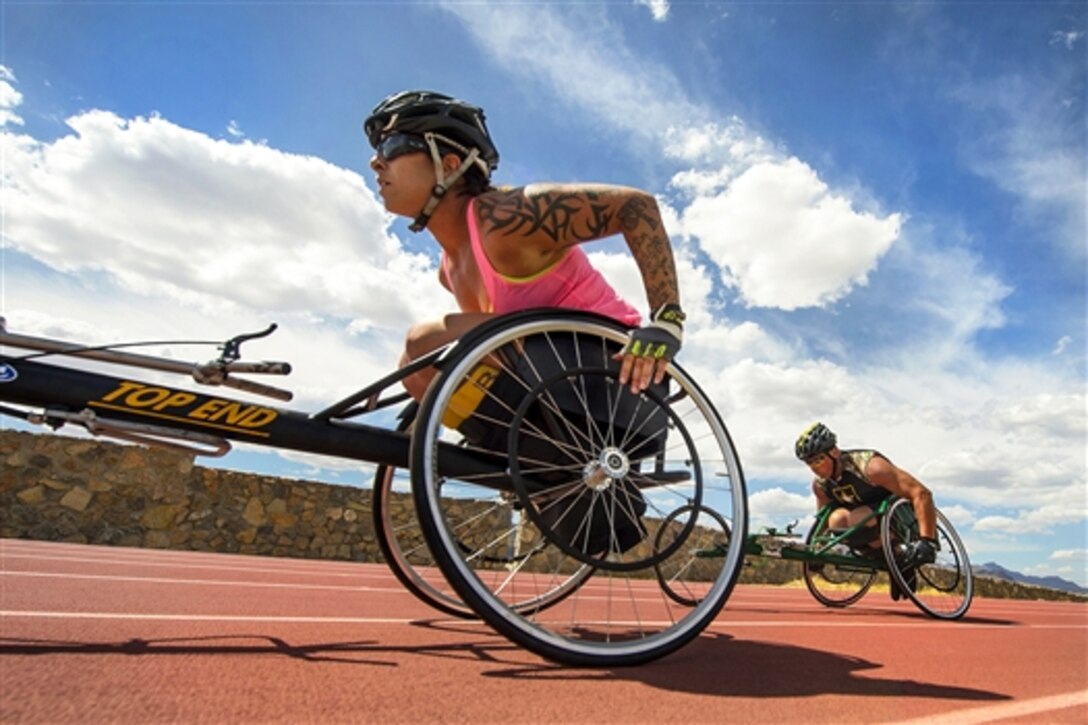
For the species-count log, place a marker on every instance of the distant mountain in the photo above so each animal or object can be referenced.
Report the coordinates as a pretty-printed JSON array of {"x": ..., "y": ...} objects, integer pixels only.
[{"x": 1051, "y": 582}]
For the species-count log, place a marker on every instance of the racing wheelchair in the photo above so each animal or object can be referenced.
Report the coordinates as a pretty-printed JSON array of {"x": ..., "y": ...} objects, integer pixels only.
[
  {"x": 838, "y": 566},
  {"x": 540, "y": 486}
]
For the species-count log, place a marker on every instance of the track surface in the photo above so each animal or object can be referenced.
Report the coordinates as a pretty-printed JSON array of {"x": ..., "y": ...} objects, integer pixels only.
[{"x": 99, "y": 634}]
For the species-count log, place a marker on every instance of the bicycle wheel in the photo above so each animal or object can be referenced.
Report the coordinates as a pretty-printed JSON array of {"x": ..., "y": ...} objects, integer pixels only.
[
  {"x": 397, "y": 530},
  {"x": 687, "y": 577},
  {"x": 943, "y": 589},
  {"x": 834, "y": 584},
  {"x": 594, "y": 469}
]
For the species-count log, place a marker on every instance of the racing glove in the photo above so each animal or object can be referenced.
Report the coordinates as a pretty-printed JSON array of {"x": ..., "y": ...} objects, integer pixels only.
[
  {"x": 661, "y": 338},
  {"x": 923, "y": 551}
]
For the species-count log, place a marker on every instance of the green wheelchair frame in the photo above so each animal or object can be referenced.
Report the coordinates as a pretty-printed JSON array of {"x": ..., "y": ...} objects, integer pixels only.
[{"x": 840, "y": 566}]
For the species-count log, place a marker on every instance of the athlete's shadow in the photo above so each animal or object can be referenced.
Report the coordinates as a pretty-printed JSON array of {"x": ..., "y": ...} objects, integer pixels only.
[
  {"x": 718, "y": 664},
  {"x": 489, "y": 648}
]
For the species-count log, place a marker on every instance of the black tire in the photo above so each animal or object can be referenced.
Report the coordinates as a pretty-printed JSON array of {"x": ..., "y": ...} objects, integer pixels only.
[
  {"x": 614, "y": 620},
  {"x": 686, "y": 576},
  {"x": 835, "y": 585},
  {"x": 397, "y": 530},
  {"x": 943, "y": 589}
]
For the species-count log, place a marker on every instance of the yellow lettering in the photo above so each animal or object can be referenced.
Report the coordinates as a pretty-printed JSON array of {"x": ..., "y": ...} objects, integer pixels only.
[
  {"x": 205, "y": 410},
  {"x": 231, "y": 413},
  {"x": 125, "y": 387},
  {"x": 258, "y": 418},
  {"x": 146, "y": 397},
  {"x": 234, "y": 414},
  {"x": 176, "y": 400}
]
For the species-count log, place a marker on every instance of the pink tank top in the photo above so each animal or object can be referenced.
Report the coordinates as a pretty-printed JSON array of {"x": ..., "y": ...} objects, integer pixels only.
[{"x": 571, "y": 283}]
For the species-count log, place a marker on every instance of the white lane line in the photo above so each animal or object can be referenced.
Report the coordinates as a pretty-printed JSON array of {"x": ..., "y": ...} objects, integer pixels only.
[
  {"x": 929, "y": 624},
  {"x": 132, "y": 552},
  {"x": 30, "y": 614},
  {"x": 204, "y": 617},
  {"x": 584, "y": 596},
  {"x": 131, "y": 561},
  {"x": 250, "y": 563},
  {"x": 211, "y": 582},
  {"x": 138, "y": 551},
  {"x": 990, "y": 713},
  {"x": 396, "y": 590}
]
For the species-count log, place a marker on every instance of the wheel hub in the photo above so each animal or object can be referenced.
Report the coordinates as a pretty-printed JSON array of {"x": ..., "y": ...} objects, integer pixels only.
[{"x": 612, "y": 464}]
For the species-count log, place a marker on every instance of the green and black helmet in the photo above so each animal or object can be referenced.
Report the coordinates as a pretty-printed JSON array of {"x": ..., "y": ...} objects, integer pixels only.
[{"x": 817, "y": 438}]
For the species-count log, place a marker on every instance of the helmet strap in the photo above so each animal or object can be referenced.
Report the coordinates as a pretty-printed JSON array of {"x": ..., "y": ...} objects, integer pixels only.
[
  {"x": 836, "y": 467},
  {"x": 442, "y": 182}
]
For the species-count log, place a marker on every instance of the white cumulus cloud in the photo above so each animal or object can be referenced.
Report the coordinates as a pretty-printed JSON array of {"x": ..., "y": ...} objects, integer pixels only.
[
  {"x": 169, "y": 210},
  {"x": 785, "y": 240},
  {"x": 10, "y": 99}
]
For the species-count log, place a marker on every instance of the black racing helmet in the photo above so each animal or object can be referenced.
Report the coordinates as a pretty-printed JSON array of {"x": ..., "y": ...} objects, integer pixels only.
[
  {"x": 817, "y": 438},
  {"x": 420, "y": 112}
]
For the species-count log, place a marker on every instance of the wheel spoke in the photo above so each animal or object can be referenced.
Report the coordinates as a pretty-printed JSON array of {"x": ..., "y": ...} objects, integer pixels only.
[{"x": 594, "y": 474}]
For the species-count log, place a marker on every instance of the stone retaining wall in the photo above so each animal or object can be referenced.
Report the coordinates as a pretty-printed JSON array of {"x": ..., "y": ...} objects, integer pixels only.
[{"x": 89, "y": 491}]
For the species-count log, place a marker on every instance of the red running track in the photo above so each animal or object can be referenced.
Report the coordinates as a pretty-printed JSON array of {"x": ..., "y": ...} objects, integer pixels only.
[{"x": 100, "y": 634}]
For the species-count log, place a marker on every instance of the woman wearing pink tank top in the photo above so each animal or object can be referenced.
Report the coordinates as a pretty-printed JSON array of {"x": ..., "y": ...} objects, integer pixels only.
[{"x": 505, "y": 250}]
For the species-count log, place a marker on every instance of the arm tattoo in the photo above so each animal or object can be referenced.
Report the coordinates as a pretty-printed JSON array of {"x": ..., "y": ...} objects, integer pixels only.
[
  {"x": 652, "y": 251},
  {"x": 634, "y": 212},
  {"x": 566, "y": 218}
]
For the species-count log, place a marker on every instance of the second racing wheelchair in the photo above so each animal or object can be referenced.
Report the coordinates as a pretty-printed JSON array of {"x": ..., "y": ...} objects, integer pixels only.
[{"x": 838, "y": 566}]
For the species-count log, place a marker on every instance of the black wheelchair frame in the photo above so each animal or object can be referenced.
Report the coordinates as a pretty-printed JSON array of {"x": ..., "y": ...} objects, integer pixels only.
[{"x": 525, "y": 534}]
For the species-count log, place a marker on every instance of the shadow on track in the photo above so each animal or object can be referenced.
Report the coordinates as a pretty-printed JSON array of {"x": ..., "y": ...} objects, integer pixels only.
[
  {"x": 713, "y": 664},
  {"x": 723, "y": 665},
  {"x": 364, "y": 652}
]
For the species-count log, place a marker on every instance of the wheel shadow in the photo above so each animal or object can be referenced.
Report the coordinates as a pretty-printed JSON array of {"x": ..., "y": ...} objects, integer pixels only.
[
  {"x": 722, "y": 665},
  {"x": 966, "y": 619}
]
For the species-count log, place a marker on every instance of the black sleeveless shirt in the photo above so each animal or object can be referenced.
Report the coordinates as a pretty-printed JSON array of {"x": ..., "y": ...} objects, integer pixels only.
[{"x": 853, "y": 488}]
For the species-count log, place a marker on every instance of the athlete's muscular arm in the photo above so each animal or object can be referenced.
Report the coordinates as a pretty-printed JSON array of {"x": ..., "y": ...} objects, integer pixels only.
[
  {"x": 886, "y": 474},
  {"x": 526, "y": 229},
  {"x": 644, "y": 231}
]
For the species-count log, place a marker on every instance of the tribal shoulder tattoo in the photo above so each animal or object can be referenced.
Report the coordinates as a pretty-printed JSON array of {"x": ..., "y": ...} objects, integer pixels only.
[
  {"x": 573, "y": 216},
  {"x": 565, "y": 217}
]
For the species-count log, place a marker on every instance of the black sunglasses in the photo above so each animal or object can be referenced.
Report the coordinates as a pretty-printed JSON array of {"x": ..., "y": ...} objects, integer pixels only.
[{"x": 399, "y": 144}]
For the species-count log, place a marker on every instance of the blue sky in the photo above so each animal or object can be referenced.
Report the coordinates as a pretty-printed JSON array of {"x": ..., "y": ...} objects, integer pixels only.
[{"x": 878, "y": 209}]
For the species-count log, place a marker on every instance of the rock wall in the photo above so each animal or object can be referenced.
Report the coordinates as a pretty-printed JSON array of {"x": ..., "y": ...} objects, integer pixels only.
[{"x": 89, "y": 491}]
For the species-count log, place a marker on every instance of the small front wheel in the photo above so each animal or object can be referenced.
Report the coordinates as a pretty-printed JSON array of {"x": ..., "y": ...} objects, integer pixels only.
[
  {"x": 687, "y": 575},
  {"x": 396, "y": 527}
]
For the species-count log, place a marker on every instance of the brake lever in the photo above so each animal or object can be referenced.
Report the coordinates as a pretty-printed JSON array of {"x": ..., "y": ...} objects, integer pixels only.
[{"x": 232, "y": 348}]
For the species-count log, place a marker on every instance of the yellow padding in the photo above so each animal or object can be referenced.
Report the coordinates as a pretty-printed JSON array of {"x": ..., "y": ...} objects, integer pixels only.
[{"x": 468, "y": 395}]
